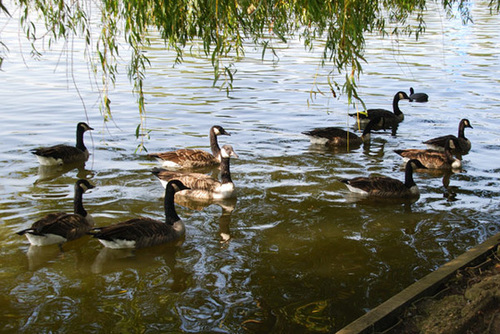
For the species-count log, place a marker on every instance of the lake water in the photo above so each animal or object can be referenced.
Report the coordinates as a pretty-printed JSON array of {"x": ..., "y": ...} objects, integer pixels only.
[{"x": 303, "y": 255}]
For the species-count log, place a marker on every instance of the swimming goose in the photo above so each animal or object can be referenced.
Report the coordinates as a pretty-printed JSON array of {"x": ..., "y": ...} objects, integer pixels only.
[
  {"x": 65, "y": 154},
  {"x": 386, "y": 187},
  {"x": 463, "y": 144},
  {"x": 145, "y": 232},
  {"x": 192, "y": 158},
  {"x": 57, "y": 228},
  {"x": 202, "y": 186},
  {"x": 418, "y": 97},
  {"x": 392, "y": 119},
  {"x": 334, "y": 136},
  {"x": 433, "y": 159}
]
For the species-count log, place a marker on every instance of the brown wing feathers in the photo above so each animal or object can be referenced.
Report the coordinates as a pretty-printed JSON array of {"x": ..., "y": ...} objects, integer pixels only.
[{"x": 187, "y": 157}]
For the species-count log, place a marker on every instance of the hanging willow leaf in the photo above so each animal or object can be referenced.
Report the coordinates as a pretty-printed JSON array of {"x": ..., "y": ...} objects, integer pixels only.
[{"x": 222, "y": 27}]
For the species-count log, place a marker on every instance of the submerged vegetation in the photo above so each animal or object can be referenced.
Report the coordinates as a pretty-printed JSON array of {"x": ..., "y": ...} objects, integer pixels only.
[{"x": 220, "y": 29}]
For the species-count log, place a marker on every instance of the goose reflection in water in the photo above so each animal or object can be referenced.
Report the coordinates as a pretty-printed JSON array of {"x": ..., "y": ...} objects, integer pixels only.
[
  {"x": 376, "y": 149},
  {"x": 39, "y": 256},
  {"x": 110, "y": 260},
  {"x": 227, "y": 206},
  {"x": 47, "y": 173},
  {"x": 42, "y": 256},
  {"x": 115, "y": 259},
  {"x": 378, "y": 132},
  {"x": 449, "y": 192}
]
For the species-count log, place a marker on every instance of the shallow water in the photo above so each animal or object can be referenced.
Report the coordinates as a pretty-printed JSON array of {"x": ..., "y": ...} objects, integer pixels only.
[{"x": 303, "y": 254}]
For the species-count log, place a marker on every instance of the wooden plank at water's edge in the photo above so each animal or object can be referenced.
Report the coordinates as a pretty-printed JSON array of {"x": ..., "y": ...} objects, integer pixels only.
[{"x": 386, "y": 314}]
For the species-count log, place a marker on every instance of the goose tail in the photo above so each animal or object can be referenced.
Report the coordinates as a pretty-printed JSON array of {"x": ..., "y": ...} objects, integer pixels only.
[
  {"x": 156, "y": 171},
  {"x": 23, "y": 232},
  {"x": 94, "y": 231}
]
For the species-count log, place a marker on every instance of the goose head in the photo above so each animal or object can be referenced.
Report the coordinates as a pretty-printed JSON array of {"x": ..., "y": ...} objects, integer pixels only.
[
  {"x": 177, "y": 185},
  {"x": 416, "y": 164},
  {"x": 402, "y": 96},
  {"x": 220, "y": 131},
  {"x": 376, "y": 123},
  {"x": 84, "y": 126},
  {"x": 227, "y": 151},
  {"x": 411, "y": 165},
  {"x": 466, "y": 123},
  {"x": 84, "y": 185}
]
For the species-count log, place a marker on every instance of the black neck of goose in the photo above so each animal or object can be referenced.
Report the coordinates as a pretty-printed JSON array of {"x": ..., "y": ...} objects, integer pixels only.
[
  {"x": 447, "y": 151},
  {"x": 367, "y": 130},
  {"x": 170, "y": 214},
  {"x": 395, "y": 105},
  {"x": 214, "y": 145},
  {"x": 370, "y": 126},
  {"x": 79, "y": 138},
  {"x": 461, "y": 130},
  {"x": 409, "y": 176},
  {"x": 225, "y": 173},
  {"x": 78, "y": 202}
]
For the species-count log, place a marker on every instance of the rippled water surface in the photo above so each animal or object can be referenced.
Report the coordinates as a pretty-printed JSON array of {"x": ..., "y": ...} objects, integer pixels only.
[{"x": 303, "y": 254}]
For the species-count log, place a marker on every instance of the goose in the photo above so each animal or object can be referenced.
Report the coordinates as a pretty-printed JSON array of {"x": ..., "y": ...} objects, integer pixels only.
[
  {"x": 418, "y": 97},
  {"x": 65, "y": 154},
  {"x": 145, "y": 232},
  {"x": 463, "y": 144},
  {"x": 333, "y": 136},
  {"x": 202, "y": 186},
  {"x": 392, "y": 119},
  {"x": 192, "y": 158},
  {"x": 433, "y": 159},
  {"x": 60, "y": 227},
  {"x": 386, "y": 187}
]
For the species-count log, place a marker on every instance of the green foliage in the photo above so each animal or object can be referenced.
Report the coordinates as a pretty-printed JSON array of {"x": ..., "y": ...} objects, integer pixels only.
[{"x": 222, "y": 27}]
